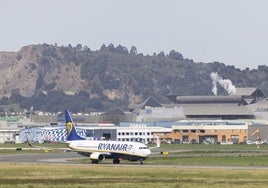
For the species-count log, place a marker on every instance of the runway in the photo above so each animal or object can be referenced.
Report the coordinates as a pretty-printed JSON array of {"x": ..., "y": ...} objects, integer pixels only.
[
  {"x": 67, "y": 157},
  {"x": 72, "y": 158}
]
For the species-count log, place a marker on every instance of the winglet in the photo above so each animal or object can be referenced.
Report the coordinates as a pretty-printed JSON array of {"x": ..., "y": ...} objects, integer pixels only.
[
  {"x": 71, "y": 131},
  {"x": 157, "y": 142}
]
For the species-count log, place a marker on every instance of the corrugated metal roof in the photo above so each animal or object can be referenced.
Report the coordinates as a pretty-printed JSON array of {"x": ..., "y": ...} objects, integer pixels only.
[
  {"x": 209, "y": 99},
  {"x": 115, "y": 111},
  {"x": 216, "y": 110},
  {"x": 150, "y": 101},
  {"x": 244, "y": 91}
]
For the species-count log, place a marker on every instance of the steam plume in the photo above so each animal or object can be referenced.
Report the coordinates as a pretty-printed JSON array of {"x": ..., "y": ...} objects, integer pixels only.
[{"x": 225, "y": 83}]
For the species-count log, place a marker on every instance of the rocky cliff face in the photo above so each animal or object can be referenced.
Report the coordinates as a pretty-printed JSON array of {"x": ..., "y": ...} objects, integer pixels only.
[
  {"x": 16, "y": 73},
  {"x": 40, "y": 69},
  {"x": 30, "y": 70}
]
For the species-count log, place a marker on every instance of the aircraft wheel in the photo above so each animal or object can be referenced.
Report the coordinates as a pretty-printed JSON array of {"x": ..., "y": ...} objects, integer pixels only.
[
  {"x": 94, "y": 161},
  {"x": 116, "y": 161},
  {"x": 141, "y": 161}
]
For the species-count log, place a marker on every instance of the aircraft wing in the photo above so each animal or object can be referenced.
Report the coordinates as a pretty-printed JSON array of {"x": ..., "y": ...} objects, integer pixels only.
[{"x": 31, "y": 145}]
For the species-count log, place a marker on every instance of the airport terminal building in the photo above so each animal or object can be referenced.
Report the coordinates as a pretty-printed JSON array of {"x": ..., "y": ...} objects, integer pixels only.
[
  {"x": 143, "y": 132},
  {"x": 207, "y": 132}
]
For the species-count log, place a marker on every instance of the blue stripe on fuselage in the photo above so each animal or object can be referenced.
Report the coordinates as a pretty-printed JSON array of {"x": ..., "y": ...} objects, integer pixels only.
[{"x": 125, "y": 156}]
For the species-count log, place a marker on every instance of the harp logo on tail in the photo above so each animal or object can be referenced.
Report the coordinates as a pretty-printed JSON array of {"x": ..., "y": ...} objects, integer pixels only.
[{"x": 69, "y": 127}]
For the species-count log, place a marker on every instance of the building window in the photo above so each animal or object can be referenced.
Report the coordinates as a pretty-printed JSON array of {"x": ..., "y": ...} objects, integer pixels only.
[
  {"x": 193, "y": 131},
  {"x": 202, "y": 131},
  {"x": 223, "y": 138},
  {"x": 235, "y": 138},
  {"x": 185, "y": 131}
]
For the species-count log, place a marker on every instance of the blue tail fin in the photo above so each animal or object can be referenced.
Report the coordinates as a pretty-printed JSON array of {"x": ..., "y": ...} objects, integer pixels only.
[{"x": 71, "y": 131}]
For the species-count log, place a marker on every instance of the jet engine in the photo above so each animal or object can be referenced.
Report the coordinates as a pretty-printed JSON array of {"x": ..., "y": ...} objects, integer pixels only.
[{"x": 97, "y": 156}]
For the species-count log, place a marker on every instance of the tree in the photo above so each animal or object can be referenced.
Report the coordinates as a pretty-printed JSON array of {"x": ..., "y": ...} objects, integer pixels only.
[
  {"x": 121, "y": 49},
  {"x": 110, "y": 47},
  {"x": 15, "y": 96},
  {"x": 103, "y": 48},
  {"x": 161, "y": 54},
  {"x": 4, "y": 101},
  {"x": 175, "y": 55},
  {"x": 86, "y": 48},
  {"x": 78, "y": 46},
  {"x": 133, "y": 50}
]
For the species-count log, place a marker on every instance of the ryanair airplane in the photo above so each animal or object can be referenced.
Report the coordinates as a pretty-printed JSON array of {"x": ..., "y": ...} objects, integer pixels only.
[{"x": 99, "y": 150}]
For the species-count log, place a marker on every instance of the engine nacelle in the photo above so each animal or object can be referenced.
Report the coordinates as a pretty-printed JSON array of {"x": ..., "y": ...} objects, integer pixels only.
[{"x": 97, "y": 156}]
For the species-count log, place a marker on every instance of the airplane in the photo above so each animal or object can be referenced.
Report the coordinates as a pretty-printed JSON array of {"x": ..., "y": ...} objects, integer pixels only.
[{"x": 99, "y": 150}]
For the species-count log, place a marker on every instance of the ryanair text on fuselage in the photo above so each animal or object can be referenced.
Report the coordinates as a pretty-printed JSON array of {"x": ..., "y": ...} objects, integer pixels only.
[{"x": 114, "y": 147}]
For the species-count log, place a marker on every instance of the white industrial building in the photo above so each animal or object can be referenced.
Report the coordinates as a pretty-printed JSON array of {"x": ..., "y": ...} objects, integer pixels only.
[
  {"x": 140, "y": 132},
  {"x": 10, "y": 128}
]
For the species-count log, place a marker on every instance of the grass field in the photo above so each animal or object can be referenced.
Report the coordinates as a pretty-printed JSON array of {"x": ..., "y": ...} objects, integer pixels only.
[
  {"x": 84, "y": 175},
  {"x": 26, "y": 175}
]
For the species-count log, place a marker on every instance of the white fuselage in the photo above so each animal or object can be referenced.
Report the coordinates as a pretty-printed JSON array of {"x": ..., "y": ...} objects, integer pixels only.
[{"x": 112, "y": 148}]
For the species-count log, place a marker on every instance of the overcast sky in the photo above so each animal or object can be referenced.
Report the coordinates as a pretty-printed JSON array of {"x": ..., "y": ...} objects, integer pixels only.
[{"x": 233, "y": 32}]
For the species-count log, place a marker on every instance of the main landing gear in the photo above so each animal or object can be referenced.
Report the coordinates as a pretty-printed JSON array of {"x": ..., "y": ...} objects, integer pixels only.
[
  {"x": 116, "y": 161},
  {"x": 140, "y": 161},
  {"x": 94, "y": 161}
]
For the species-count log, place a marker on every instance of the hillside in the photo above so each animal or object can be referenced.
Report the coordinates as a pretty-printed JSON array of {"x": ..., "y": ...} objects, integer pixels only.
[{"x": 53, "y": 78}]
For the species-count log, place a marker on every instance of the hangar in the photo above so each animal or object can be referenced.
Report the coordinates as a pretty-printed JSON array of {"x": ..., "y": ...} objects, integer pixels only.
[
  {"x": 242, "y": 96},
  {"x": 241, "y": 105}
]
